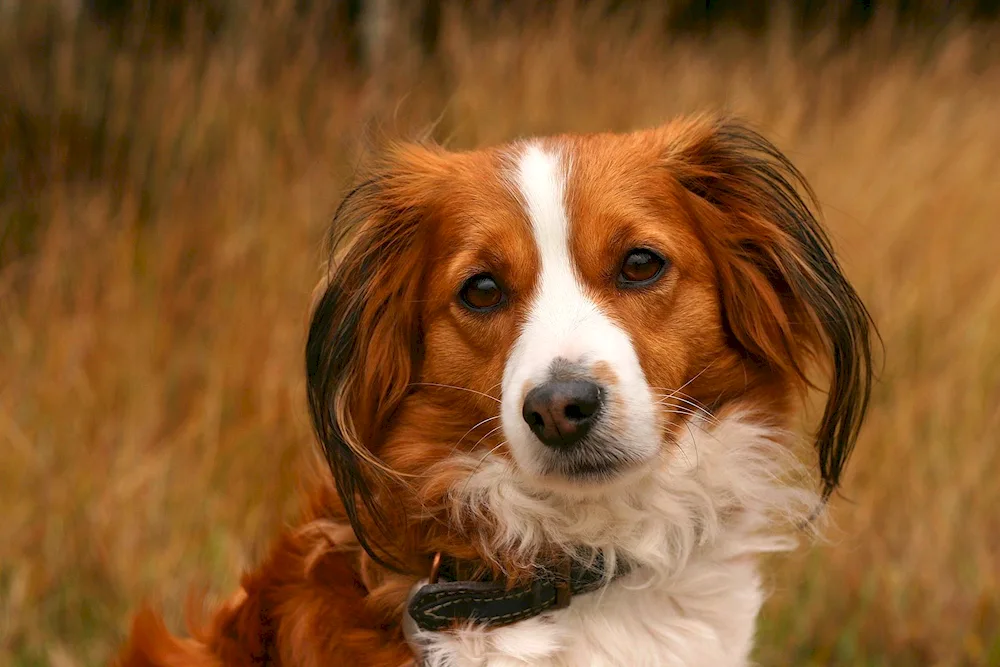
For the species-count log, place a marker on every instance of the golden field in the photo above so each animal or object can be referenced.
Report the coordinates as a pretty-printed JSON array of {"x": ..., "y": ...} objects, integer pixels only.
[{"x": 166, "y": 206}]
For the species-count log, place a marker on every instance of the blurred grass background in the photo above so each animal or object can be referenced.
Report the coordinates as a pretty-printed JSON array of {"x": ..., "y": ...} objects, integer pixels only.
[{"x": 168, "y": 173}]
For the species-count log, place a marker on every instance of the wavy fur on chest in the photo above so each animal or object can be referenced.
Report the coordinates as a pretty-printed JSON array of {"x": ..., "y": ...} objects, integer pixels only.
[{"x": 691, "y": 528}]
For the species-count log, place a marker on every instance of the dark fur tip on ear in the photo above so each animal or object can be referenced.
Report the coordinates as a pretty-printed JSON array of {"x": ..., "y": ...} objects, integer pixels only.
[
  {"x": 329, "y": 347},
  {"x": 772, "y": 230},
  {"x": 359, "y": 353}
]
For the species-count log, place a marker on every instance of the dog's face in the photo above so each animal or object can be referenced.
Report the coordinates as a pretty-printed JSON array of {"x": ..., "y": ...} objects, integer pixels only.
[
  {"x": 580, "y": 294},
  {"x": 571, "y": 303}
]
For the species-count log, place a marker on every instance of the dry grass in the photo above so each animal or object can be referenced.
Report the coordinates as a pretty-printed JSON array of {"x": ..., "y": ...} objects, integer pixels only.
[{"x": 151, "y": 407}]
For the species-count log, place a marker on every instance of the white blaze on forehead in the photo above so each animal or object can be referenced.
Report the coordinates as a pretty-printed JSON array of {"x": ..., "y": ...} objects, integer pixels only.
[
  {"x": 560, "y": 305},
  {"x": 562, "y": 320},
  {"x": 541, "y": 180}
]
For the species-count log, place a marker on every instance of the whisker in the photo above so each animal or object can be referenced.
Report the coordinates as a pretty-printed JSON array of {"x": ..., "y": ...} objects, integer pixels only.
[
  {"x": 695, "y": 424},
  {"x": 679, "y": 394},
  {"x": 694, "y": 443},
  {"x": 491, "y": 451},
  {"x": 683, "y": 409},
  {"x": 456, "y": 445},
  {"x": 693, "y": 403},
  {"x": 687, "y": 398},
  {"x": 488, "y": 434},
  {"x": 451, "y": 386},
  {"x": 479, "y": 465},
  {"x": 488, "y": 419},
  {"x": 698, "y": 409},
  {"x": 680, "y": 410},
  {"x": 697, "y": 375},
  {"x": 700, "y": 373},
  {"x": 685, "y": 413}
]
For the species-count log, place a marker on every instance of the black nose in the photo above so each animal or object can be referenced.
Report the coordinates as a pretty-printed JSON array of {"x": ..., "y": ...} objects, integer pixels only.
[{"x": 561, "y": 413}]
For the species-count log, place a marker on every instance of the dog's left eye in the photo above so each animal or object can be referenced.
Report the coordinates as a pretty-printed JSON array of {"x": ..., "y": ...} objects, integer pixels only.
[
  {"x": 481, "y": 293},
  {"x": 641, "y": 267}
]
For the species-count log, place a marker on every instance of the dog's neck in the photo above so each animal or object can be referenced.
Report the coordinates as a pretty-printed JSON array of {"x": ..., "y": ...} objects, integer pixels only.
[{"x": 724, "y": 493}]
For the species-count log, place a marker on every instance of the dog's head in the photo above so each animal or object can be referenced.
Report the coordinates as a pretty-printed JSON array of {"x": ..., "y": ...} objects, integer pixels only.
[{"x": 570, "y": 303}]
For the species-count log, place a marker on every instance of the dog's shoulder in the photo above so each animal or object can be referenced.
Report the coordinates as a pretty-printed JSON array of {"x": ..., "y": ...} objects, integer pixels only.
[{"x": 305, "y": 604}]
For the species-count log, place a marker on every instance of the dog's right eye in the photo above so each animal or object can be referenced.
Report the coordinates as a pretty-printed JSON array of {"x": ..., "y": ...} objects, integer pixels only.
[
  {"x": 641, "y": 267},
  {"x": 481, "y": 293}
]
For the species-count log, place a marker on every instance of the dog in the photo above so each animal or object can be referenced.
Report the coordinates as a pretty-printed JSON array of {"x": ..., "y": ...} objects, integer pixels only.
[{"x": 554, "y": 383}]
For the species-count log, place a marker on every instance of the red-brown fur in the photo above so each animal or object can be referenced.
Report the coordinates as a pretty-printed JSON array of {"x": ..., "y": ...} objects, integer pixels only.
[{"x": 728, "y": 320}]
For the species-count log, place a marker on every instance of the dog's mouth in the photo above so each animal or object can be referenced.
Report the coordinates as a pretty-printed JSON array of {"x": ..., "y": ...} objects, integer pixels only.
[{"x": 592, "y": 462}]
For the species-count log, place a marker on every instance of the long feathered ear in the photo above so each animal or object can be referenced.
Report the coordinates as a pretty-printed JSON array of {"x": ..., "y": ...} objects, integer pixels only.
[
  {"x": 785, "y": 299},
  {"x": 364, "y": 341}
]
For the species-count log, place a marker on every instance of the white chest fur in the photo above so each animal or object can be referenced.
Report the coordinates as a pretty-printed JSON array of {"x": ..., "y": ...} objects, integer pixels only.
[{"x": 691, "y": 529}]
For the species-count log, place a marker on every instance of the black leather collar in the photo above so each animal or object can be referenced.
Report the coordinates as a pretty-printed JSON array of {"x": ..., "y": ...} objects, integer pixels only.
[{"x": 448, "y": 599}]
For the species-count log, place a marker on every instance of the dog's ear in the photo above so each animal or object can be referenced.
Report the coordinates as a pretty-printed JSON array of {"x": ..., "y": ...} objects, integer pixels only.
[
  {"x": 785, "y": 299},
  {"x": 364, "y": 342}
]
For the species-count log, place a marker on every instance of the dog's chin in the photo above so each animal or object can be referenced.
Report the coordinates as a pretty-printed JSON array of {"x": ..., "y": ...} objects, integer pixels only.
[{"x": 594, "y": 469}]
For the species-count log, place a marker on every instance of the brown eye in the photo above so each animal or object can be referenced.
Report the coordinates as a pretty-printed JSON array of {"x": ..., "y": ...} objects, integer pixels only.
[
  {"x": 481, "y": 292},
  {"x": 641, "y": 267}
]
